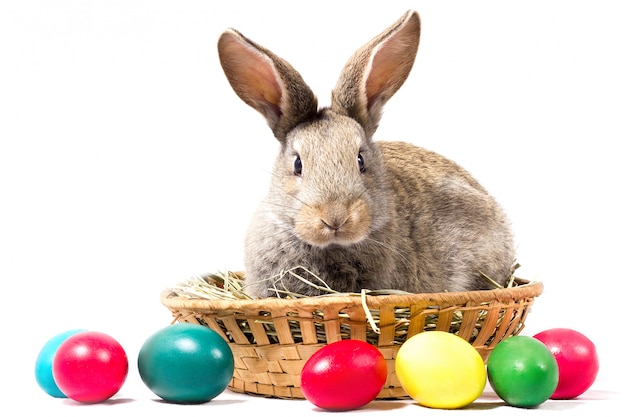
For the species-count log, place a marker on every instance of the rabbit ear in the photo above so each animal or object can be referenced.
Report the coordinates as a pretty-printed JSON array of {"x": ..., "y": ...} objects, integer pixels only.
[
  {"x": 376, "y": 71},
  {"x": 266, "y": 82}
]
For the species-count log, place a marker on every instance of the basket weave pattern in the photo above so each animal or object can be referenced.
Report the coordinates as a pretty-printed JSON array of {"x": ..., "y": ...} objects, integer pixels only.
[{"x": 271, "y": 339}]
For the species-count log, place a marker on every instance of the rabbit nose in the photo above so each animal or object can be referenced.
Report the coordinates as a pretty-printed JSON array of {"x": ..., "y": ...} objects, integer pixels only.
[
  {"x": 334, "y": 216},
  {"x": 334, "y": 224}
]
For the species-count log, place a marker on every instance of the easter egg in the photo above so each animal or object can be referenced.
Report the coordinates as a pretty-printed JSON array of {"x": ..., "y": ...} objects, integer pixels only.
[
  {"x": 440, "y": 370},
  {"x": 522, "y": 371},
  {"x": 343, "y": 375},
  {"x": 90, "y": 367},
  {"x": 186, "y": 363},
  {"x": 576, "y": 357},
  {"x": 43, "y": 364}
]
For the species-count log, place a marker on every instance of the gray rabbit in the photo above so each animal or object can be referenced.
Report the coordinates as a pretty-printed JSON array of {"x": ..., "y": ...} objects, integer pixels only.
[{"x": 356, "y": 213}]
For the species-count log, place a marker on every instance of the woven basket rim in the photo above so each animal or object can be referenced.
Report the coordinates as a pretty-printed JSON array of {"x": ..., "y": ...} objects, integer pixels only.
[{"x": 524, "y": 289}]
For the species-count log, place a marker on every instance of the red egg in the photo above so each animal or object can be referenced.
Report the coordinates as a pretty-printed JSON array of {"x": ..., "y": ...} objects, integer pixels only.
[
  {"x": 577, "y": 360},
  {"x": 90, "y": 367},
  {"x": 344, "y": 375}
]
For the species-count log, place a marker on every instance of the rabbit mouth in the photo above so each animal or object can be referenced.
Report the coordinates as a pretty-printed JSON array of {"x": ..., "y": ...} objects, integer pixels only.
[{"x": 335, "y": 223}]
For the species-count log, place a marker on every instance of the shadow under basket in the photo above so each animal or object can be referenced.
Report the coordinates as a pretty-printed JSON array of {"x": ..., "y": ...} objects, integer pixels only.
[{"x": 271, "y": 339}]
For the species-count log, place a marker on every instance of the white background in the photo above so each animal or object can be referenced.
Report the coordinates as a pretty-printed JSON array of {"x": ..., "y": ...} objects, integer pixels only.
[{"x": 127, "y": 164}]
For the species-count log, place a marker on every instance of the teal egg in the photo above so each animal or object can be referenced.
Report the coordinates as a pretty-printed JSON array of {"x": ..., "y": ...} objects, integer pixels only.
[{"x": 186, "y": 363}]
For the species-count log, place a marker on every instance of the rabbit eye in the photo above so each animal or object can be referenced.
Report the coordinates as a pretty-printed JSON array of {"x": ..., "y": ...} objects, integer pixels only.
[
  {"x": 361, "y": 162},
  {"x": 297, "y": 166}
]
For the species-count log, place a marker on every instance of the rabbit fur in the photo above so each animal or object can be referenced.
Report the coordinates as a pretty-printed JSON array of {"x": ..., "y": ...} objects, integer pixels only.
[{"x": 353, "y": 212}]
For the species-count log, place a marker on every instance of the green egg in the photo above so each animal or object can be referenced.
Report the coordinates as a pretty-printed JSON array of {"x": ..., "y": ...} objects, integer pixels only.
[{"x": 522, "y": 371}]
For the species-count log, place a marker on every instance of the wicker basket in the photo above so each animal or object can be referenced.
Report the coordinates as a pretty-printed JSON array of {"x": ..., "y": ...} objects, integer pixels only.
[{"x": 271, "y": 339}]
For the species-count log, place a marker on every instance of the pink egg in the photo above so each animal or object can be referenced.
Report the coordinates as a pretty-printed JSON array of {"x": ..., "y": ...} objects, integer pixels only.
[
  {"x": 90, "y": 367},
  {"x": 576, "y": 357}
]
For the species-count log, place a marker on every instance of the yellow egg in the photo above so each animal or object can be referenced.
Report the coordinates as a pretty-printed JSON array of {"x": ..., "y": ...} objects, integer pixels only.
[{"x": 440, "y": 370}]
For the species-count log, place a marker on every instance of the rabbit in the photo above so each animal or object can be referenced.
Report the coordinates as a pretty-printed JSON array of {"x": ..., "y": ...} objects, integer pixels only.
[{"x": 351, "y": 213}]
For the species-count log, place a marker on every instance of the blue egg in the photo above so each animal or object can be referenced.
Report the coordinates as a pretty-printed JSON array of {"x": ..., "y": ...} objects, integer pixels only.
[{"x": 43, "y": 365}]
